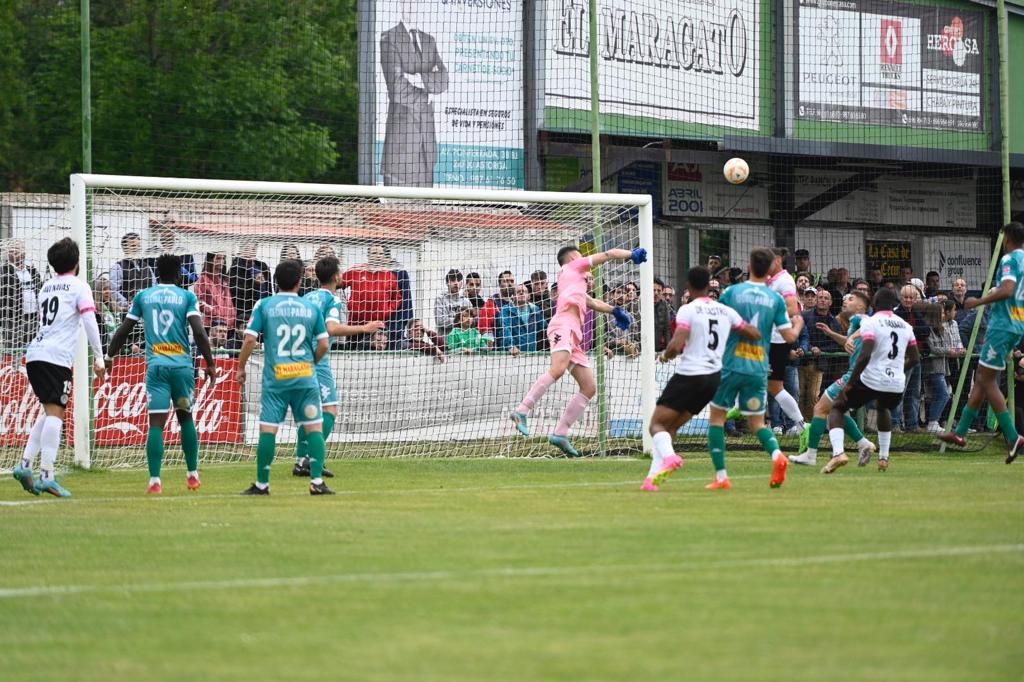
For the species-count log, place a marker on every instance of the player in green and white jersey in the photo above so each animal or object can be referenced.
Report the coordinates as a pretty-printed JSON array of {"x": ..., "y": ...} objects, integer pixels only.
[
  {"x": 167, "y": 312},
  {"x": 295, "y": 340},
  {"x": 745, "y": 366},
  {"x": 855, "y": 304},
  {"x": 1005, "y": 330},
  {"x": 328, "y": 272}
]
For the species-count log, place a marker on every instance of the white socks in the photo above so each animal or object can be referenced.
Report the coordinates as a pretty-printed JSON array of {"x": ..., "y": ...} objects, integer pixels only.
[
  {"x": 884, "y": 439},
  {"x": 721, "y": 475},
  {"x": 836, "y": 436},
  {"x": 35, "y": 443},
  {"x": 49, "y": 443},
  {"x": 154, "y": 479},
  {"x": 790, "y": 407},
  {"x": 662, "y": 449},
  {"x": 865, "y": 443}
]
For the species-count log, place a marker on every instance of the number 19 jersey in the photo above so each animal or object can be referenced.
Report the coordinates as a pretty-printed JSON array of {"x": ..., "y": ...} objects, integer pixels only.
[
  {"x": 291, "y": 327},
  {"x": 892, "y": 336},
  {"x": 710, "y": 324},
  {"x": 164, "y": 311},
  {"x": 63, "y": 301}
]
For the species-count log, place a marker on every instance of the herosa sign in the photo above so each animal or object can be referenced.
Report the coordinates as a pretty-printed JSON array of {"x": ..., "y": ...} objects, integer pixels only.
[
  {"x": 661, "y": 59},
  {"x": 889, "y": 63}
]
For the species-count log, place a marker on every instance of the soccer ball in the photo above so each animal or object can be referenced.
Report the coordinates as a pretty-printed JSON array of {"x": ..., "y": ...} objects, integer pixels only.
[{"x": 736, "y": 171}]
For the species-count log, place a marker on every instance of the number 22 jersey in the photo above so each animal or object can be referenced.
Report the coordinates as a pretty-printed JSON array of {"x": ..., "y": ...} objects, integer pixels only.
[
  {"x": 291, "y": 327},
  {"x": 709, "y": 323}
]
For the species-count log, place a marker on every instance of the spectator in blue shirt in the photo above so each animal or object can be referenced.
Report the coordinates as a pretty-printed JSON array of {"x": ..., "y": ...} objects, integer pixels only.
[{"x": 520, "y": 323}]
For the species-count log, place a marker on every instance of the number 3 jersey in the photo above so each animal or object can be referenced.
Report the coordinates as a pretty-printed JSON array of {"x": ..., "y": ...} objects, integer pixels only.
[
  {"x": 709, "y": 323},
  {"x": 164, "y": 311},
  {"x": 291, "y": 327},
  {"x": 892, "y": 335},
  {"x": 63, "y": 301}
]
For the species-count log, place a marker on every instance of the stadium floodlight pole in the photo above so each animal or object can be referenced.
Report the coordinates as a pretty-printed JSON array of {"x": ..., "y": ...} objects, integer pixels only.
[
  {"x": 1004, "y": 125},
  {"x": 86, "y": 93},
  {"x": 1004, "y": 149},
  {"x": 598, "y": 233},
  {"x": 81, "y": 386}
]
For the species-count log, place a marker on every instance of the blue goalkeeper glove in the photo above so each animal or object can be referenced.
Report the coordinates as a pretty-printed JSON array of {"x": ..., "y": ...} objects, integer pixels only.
[
  {"x": 639, "y": 256},
  {"x": 623, "y": 320}
]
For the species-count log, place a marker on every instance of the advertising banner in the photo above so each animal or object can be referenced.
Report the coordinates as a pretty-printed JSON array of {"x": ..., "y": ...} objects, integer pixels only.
[
  {"x": 701, "y": 191},
  {"x": 954, "y": 256},
  {"x": 889, "y": 256},
  {"x": 121, "y": 407},
  {"x": 19, "y": 407},
  {"x": 662, "y": 59},
  {"x": 890, "y": 63},
  {"x": 448, "y": 110}
]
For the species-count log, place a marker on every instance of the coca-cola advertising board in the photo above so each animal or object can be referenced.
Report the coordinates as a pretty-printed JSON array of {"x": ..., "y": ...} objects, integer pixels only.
[{"x": 120, "y": 407}]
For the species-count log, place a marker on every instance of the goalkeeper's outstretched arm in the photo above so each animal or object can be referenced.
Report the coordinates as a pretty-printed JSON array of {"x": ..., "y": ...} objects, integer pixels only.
[{"x": 638, "y": 256}]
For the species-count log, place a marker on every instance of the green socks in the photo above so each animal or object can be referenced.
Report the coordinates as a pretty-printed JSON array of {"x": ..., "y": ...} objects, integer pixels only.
[
  {"x": 155, "y": 450},
  {"x": 852, "y": 430},
  {"x": 302, "y": 447},
  {"x": 328, "y": 425},
  {"x": 716, "y": 443},
  {"x": 768, "y": 441},
  {"x": 317, "y": 452},
  {"x": 967, "y": 418},
  {"x": 817, "y": 430},
  {"x": 265, "y": 456},
  {"x": 190, "y": 445},
  {"x": 1006, "y": 426}
]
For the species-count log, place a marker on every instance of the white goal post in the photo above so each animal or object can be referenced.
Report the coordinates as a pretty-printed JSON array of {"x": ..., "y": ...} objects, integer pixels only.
[{"x": 437, "y": 231}]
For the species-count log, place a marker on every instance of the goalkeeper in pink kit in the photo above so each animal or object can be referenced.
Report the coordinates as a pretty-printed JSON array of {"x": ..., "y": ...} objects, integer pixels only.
[{"x": 565, "y": 335}]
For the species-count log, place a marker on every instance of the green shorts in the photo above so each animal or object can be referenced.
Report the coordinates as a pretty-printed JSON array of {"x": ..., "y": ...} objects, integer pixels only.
[
  {"x": 751, "y": 390},
  {"x": 328, "y": 387},
  {"x": 170, "y": 388},
  {"x": 998, "y": 344},
  {"x": 305, "y": 404},
  {"x": 836, "y": 387}
]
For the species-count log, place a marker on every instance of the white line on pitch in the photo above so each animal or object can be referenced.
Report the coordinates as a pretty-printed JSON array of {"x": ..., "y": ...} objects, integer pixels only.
[{"x": 506, "y": 572}]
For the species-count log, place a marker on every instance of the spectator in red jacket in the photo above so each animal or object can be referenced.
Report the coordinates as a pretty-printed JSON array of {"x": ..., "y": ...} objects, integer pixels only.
[
  {"x": 373, "y": 291},
  {"x": 490, "y": 314},
  {"x": 214, "y": 292}
]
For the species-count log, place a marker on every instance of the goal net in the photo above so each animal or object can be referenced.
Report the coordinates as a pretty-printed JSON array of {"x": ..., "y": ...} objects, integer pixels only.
[{"x": 436, "y": 381}]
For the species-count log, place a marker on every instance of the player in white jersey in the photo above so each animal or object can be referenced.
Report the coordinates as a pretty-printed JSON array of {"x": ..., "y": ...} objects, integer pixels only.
[
  {"x": 64, "y": 302},
  {"x": 781, "y": 281},
  {"x": 702, "y": 330},
  {"x": 888, "y": 349}
]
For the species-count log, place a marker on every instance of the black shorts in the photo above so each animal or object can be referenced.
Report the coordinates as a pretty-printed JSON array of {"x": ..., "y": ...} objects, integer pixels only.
[
  {"x": 858, "y": 395},
  {"x": 778, "y": 358},
  {"x": 51, "y": 383},
  {"x": 689, "y": 393}
]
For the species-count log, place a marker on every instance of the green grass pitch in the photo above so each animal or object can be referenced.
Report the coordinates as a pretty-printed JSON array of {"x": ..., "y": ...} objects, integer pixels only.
[{"x": 521, "y": 570}]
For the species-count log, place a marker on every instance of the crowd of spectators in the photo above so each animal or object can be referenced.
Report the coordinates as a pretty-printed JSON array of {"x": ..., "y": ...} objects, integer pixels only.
[
  {"x": 514, "y": 318},
  {"x": 942, "y": 327}
]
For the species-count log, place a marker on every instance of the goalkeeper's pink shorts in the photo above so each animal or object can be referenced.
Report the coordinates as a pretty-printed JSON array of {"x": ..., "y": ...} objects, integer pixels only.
[{"x": 567, "y": 336}]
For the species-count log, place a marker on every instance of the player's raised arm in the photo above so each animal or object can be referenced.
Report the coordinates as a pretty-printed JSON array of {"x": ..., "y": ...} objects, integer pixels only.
[
  {"x": 1005, "y": 290},
  {"x": 335, "y": 328},
  {"x": 638, "y": 256}
]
